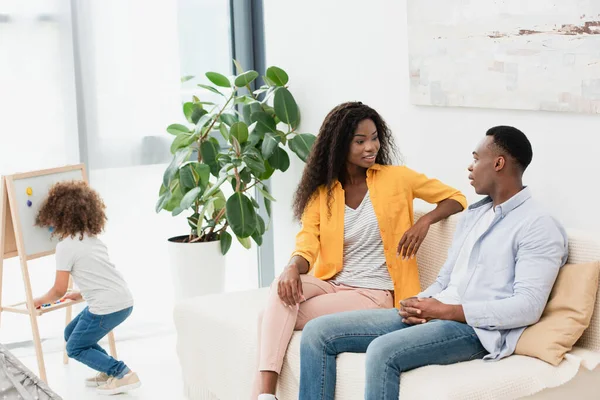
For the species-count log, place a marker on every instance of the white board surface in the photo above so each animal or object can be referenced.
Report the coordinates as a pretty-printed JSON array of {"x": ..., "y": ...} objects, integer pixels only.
[{"x": 37, "y": 240}]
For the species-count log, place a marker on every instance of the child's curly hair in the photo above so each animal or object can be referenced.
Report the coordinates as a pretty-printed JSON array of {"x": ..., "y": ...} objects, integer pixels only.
[{"x": 72, "y": 208}]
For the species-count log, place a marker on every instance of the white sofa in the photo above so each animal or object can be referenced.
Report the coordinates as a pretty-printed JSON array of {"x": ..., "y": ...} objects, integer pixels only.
[{"x": 217, "y": 347}]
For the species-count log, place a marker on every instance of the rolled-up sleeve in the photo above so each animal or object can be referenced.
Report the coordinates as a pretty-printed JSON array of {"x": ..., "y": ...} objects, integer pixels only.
[
  {"x": 541, "y": 252},
  {"x": 432, "y": 190}
]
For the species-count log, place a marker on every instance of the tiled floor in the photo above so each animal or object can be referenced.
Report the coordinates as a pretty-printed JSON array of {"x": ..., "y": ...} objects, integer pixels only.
[{"x": 153, "y": 358}]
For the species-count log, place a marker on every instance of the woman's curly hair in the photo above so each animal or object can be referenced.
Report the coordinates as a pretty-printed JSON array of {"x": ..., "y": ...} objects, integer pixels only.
[
  {"x": 327, "y": 160},
  {"x": 72, "y": 208}
]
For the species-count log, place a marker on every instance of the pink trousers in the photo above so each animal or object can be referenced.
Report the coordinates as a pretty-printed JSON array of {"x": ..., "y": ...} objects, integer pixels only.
[{"x": 277, "y": 322}]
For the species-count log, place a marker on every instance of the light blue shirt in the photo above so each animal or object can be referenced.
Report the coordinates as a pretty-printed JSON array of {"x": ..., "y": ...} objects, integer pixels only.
[{"x": 511, "y": 270}]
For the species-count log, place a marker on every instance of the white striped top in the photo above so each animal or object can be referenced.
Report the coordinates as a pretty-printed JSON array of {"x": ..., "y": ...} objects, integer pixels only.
[{"x": 364, "y": 259}]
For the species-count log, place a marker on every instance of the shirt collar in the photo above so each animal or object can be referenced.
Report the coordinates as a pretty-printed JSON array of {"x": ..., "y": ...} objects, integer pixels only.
[{"x": 509, "y": 204}]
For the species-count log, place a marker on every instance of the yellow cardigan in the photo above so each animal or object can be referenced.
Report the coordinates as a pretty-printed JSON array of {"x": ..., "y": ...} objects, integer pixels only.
[{"x": 392, "y": 190}]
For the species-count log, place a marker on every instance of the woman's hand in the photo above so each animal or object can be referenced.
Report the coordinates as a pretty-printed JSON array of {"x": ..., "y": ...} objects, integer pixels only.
[
  {"x": 37, "y": 302},
  {"x": 72, "y": 296},
  {"x": 289, "y": 288},
  {"x": 412, "y": 239}
]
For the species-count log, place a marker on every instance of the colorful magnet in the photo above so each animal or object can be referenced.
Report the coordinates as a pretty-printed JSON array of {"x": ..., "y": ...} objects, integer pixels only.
[
  {"x": 51, "y": 229},
  {"x": 29, "y": 203},
  {"x": 29, "y": 191}
]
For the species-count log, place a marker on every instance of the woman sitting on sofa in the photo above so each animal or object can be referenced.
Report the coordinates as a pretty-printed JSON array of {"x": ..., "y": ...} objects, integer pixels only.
[{"x": 357, "y": 235}]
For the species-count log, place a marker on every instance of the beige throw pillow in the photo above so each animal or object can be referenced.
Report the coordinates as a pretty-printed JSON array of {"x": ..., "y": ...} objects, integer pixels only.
[{"x": 566, "y": 316}]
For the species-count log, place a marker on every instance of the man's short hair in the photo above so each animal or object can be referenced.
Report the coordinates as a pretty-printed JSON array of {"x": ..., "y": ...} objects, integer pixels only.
[{"x": 514, "y": 142}]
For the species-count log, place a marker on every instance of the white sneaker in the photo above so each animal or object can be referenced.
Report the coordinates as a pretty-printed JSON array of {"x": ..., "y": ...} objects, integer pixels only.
[
  {"x": 116, "y": 385},
  {"x": 266, "y": 396},
  {"x": 100, "y": 379}
]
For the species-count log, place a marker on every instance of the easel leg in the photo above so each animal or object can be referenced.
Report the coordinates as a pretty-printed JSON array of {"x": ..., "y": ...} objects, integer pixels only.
[
  {"x": 33, "y": 318},
  {"x": 113, "y": 346},
  {"x": 38, "y": 346}
]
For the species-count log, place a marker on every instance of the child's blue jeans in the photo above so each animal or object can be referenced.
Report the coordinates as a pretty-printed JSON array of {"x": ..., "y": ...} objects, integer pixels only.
[{"x": 83, "y": 334}]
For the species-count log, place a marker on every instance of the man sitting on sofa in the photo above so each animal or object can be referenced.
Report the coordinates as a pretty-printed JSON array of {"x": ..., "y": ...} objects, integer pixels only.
[{"x": 501, "y": 267}]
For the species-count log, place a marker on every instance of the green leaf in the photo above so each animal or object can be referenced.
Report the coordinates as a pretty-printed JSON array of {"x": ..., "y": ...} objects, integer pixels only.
[
  {"x": 244, "y": 100},
  {"x": 219, "y": 200},
  {"x": 282, "y": 137},
  {"x": 163, "y": 200},
  {"x": 245, "y": 78},
  {"x": 268, "y": 81},
  {"x": 249, "y": 109},
  {"x": 190, "y": 197},
  {"x": 252, "y": 127},
  {"x": 238, "y": 66},
  {"x": 286, "y": 108},
  {"x": 280, "y": 159},
  {"x": 202, "y": 122},
  {"x": 173, "y": 167},
  {"x": 176, "y": 197},
  {"x": 277, "y": 76},
  {"x": 257, "y": 238},
  {"x": 241, "y": 215},
  {"x": 265, "y": 192},
  {"x": 301, "y": 144},
  {"x": 255, "y": 203},
  {"x": 245, "y": 175},
  {"x": 186, "y": 78},
  {"x": 254, "y": 138},
  {"x": 203, "y": 172},
  {"x": 209, "y": 153},
  {"x": 226, "y": 240},
  {"x": 177, "y": 129},
  {"x": 260, "y": 91},
  {"x": 269, "y": 170},
  {"x": 272, "y": 90},
  {"x": 229, "y": 119},
  {"x": 268, "y": 206},
  {"x": 193, "y": 112},
  {"x": 186, "y": 177},
  {"x": 265, "y": 123},
  {"x": 193, "y": 221},
  {"x": 269, "y": 144},
  {"x": 179, "y": 142},
  {"x": 224, "y": 133},
  {"x": 214, "y": 188},
  {"x": 254, "y": 160},
  {"x": 239, "y": 130},
  {"x": 212, "y": 89},
  {"x": 218, "y": 79},
  {"x": 261, "y": 227},
  {"x": 245, "y": 242}
]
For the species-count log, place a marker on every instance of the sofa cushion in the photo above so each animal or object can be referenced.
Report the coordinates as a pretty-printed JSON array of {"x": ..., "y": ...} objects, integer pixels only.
[{"x": 566, "y": 316}]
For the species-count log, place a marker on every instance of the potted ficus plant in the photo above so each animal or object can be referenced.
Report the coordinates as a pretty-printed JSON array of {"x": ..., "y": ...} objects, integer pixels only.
[{"x": 222, "y": 153}]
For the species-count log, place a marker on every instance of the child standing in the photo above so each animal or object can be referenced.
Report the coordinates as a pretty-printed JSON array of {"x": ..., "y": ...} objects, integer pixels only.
[{"x": 76, "y": 213}]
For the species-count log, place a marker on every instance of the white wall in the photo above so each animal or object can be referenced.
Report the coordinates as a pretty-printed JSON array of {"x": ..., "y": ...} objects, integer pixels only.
[{"x": 355, "y": 50}]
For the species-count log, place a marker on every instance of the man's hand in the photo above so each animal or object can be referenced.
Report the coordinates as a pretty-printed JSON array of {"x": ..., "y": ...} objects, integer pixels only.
[
  {"x": 414, "y": 311},
  {"x": 412, "y": 239},
  {"x": 289, "y": 288},
  {"x": 408, "y": 312}
]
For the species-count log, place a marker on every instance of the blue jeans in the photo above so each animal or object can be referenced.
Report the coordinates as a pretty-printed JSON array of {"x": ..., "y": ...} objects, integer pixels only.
[
  {"x": 83, "y": 334},
  {"x": 392, "y": 347}
]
